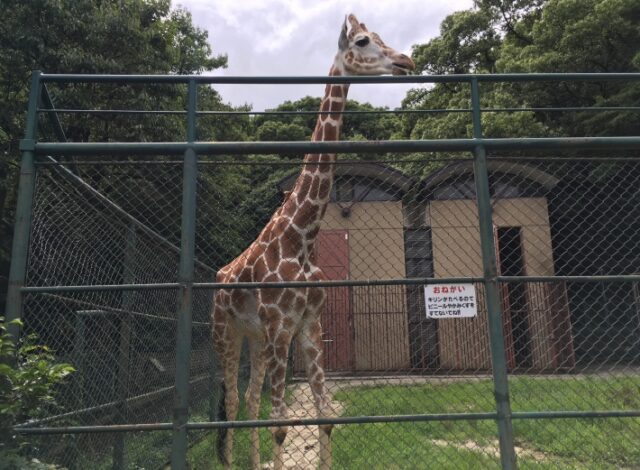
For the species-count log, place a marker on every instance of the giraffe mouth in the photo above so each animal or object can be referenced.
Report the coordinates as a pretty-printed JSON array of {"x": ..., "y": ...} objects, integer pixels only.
[{"x": 400, "y": 69}]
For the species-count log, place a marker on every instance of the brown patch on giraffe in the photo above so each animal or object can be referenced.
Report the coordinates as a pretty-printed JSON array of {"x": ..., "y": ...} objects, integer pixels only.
[
  {"x": 325, "y": 107},
  {"x": 239, "y": 299},
  {"x": 245, "y": 274},
  {"x": 290, "y": 270},
  {"x": 269, "y": 315},
  {"x": 288, "y": 323},
  {"x": 315, "y": 186},
  {"x": 287, "y": 211},
  {"x": 272, "y": 277},
  {"x": 303, "y": 188},
  {"x": 316, "y": 297},
  {"x": 270, "y": 296},
  {"x": 290, "y": 242},
  {"x": 260, "y": 270},
  {"x": 331, "y": 131},
  {"x": 325, "y": 188},
  {"x": 271, "y": 257},
  {"x": 336, "y": 92},
  {"x": 286, "y": 301},
  {"x": 306, "y": 214},
  {"x": 282, "y": 344}
]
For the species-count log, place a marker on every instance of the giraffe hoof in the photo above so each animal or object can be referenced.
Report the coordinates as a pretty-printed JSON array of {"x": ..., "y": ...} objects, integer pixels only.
[{"x": 280, "y": 435}]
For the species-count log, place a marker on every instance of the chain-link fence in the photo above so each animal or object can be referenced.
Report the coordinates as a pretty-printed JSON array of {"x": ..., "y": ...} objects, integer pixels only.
[{"x": 450, "y": 339}]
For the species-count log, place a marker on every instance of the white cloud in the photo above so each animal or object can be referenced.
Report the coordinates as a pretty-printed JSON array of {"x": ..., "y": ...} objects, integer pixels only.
[{"x": 298, "y": 37}]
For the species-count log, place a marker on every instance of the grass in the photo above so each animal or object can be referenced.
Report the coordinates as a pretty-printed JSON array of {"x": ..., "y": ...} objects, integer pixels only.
[
  {"x": 558, "y": 443},
  {"x": 547, "y": 444}
]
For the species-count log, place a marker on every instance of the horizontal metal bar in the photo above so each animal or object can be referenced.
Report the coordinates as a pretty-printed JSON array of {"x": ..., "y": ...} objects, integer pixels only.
[
  {"x": 258, "y": 423},
  {"x": 101, "y": 287},
  {"x": 568, "y": 109},
  {"x": 251, "y": 285},
  {"x": 277, "y": 80},
  {"x": 337, "y": 420},
  {"x": 111, "y": 111},
  {"x": 251, "y": 113},
  {"x": 346, "y": 112},
  {"x": 270, "y": 163},
  {"x": 341, "y": 283},
  {"x": 575, "y": 414},
  {"x": 217, "y": 148},
  {"x": 604, "y": 278}
]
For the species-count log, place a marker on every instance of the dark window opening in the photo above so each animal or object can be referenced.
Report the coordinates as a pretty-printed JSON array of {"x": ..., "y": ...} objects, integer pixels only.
[{"x": 515, "y": 306}]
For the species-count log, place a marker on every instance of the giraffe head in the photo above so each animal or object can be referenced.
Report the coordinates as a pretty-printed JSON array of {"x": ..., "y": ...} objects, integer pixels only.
[{"x": 362, "y": 52}]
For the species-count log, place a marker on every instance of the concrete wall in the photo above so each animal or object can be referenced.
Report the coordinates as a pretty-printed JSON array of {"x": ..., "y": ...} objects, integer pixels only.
[
  {"x": 376, "y": 250},
  {"x": 463, "y": 343}
]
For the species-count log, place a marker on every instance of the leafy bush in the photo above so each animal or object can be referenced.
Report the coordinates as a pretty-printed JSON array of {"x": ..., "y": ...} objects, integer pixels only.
[{"x": 28, "y": 377}]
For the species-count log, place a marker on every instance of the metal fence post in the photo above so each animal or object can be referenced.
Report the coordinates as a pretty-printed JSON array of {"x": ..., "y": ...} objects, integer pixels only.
[
  {"x": 186, "y": 278},
  {"x": 24, "y": 208},
  {"x": 124, "y": 356},
  {"x": 490, "y": 273}
]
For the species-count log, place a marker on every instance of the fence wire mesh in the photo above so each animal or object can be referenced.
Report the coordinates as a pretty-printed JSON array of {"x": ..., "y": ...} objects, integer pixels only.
[{"x": 570, "y": 345}]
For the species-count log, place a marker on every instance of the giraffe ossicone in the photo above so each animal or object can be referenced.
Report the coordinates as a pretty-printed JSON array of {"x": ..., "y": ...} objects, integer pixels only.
[{"x": 285, "y": 251}]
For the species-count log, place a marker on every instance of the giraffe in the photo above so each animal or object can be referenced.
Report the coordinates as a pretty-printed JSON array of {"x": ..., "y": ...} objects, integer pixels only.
[{"x": 285, "y": 251}]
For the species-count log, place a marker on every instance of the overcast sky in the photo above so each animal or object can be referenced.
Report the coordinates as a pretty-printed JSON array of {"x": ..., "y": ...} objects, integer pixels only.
[{"x": 300, "y": 37}]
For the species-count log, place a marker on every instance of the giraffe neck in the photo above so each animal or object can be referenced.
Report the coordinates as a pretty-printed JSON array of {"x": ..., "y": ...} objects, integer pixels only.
[{"x": 307, "y": 202}]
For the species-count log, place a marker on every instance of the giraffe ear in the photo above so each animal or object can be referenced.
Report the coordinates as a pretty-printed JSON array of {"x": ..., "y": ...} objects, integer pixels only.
[
  {"x": 343, "y": 42},
  {"x": 355, "y": 24}
]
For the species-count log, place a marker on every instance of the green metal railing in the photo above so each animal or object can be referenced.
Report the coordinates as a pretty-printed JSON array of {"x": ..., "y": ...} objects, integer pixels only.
[{"x": 186, "y": 284}]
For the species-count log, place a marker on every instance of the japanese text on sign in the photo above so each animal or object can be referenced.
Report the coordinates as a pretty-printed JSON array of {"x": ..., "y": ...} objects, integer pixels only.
[{"x": 450, "y": 301}]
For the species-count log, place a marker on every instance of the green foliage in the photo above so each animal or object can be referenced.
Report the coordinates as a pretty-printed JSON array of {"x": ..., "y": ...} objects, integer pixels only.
[
  {"x": 97, "y": 36},
  {"x": 29, "y": 375},
  {"x": 530, "y": 36}
]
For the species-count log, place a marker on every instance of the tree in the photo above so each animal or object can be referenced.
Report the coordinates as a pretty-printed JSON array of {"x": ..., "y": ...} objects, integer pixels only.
[
  {"x": 582, "y": 36},
  {"x": 506, "y": 36},
  {"x": 92, "y": 36}
]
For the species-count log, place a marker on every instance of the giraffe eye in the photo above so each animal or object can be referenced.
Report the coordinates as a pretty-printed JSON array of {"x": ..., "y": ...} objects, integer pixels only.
[{"x": 362, "y": 42}]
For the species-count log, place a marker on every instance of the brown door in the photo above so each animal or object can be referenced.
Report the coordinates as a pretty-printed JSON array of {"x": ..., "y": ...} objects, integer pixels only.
[{"x": 332, "y": 256}]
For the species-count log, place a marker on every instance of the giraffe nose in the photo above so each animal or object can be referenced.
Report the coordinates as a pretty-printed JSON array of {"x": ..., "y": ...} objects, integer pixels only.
[
  {"x": 402, "y": 64},
  {"x": 405, "y": 62}
]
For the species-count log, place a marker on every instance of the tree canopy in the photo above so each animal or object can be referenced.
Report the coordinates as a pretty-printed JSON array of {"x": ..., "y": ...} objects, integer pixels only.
[{"x": 506, "y": 36}]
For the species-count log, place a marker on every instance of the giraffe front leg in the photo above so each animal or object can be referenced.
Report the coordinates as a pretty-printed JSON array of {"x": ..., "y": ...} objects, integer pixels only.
[
  {"x": 253, "y": 394},
  {"x": 279, "y": 352},
  {"x": 311, "y": 343}
]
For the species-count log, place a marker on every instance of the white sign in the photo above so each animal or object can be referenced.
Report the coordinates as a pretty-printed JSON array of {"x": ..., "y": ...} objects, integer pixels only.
[{"x": 450, "y": 300}]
